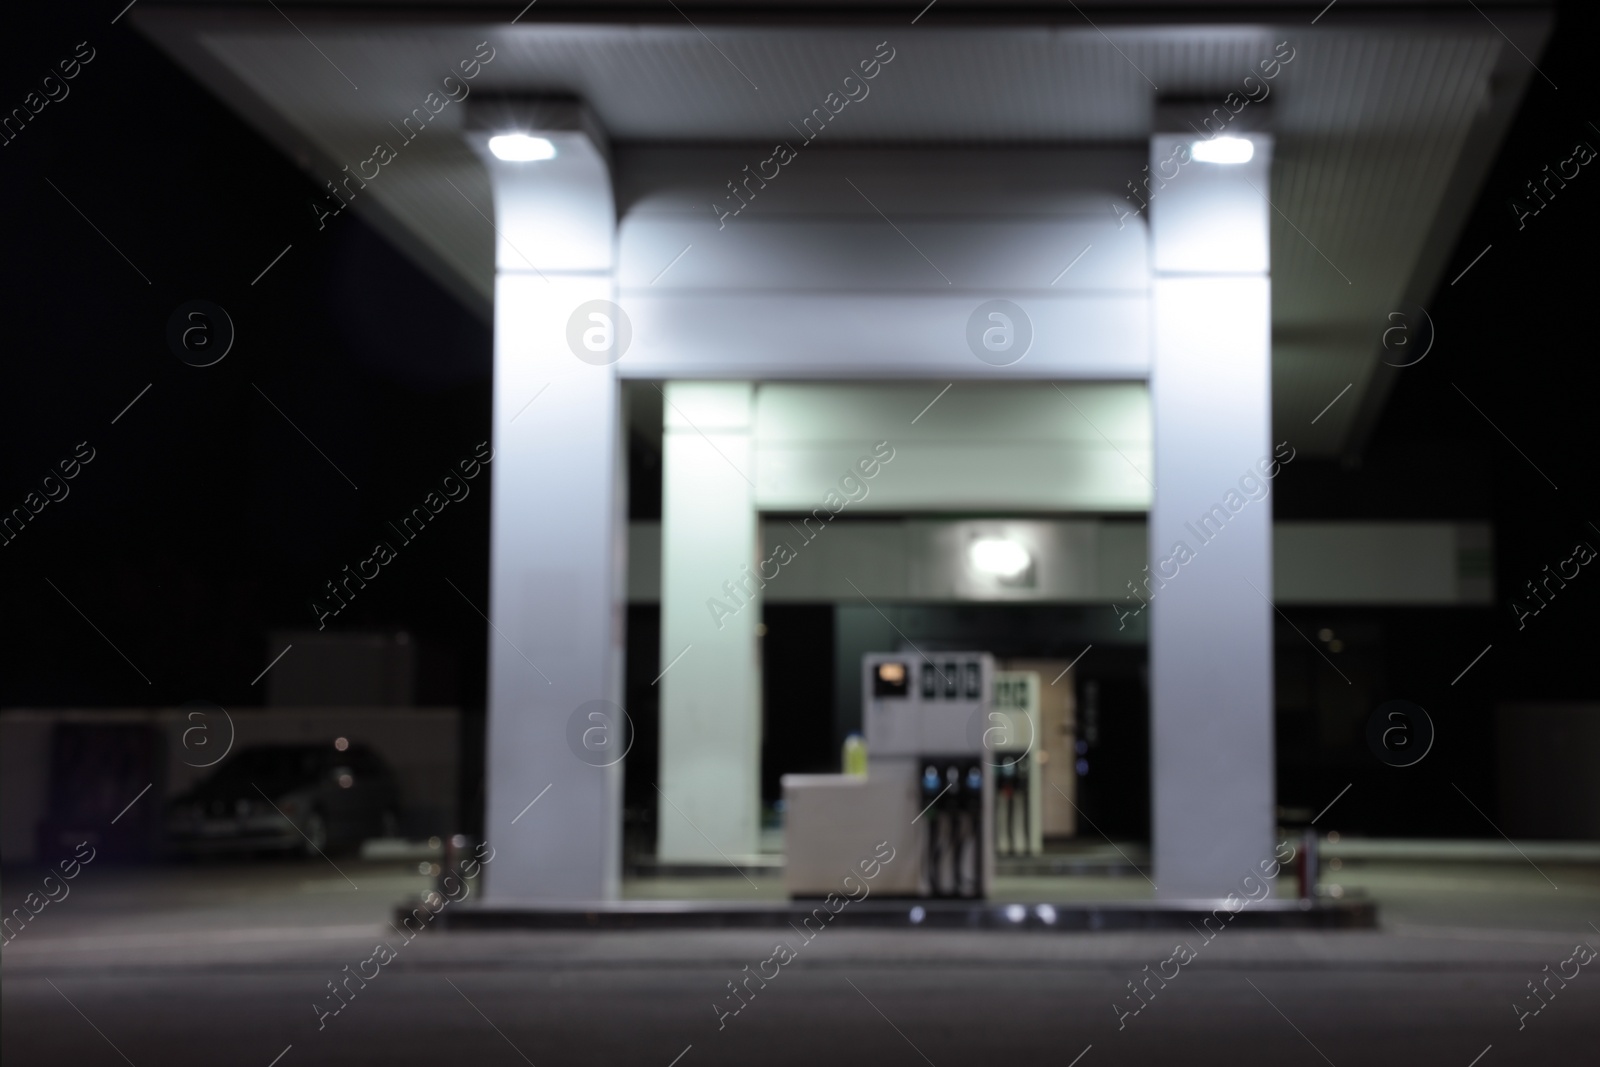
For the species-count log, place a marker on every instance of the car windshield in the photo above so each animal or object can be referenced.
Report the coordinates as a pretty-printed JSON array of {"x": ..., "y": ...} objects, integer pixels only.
[{"x": 275, "y": 769}]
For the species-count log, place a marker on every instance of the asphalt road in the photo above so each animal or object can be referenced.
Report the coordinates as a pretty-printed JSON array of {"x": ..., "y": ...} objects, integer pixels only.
[{"x": 224, "y": 966}]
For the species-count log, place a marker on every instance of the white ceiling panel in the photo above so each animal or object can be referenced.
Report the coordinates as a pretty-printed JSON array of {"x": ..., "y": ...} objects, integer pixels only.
[{"x": 1385, "y": 124}]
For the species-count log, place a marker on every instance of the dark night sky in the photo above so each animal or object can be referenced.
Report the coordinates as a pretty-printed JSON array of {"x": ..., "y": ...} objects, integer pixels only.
[
  {"x": 205, "y": 519},
  {"x": 1516, "y": 336}
]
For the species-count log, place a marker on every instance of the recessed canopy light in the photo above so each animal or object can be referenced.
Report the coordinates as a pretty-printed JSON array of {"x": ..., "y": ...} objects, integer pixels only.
[
  {"x": 521, "y": 147},
  {"x": 999, "y": 556},
  {"x": 1223, "y": 150}
]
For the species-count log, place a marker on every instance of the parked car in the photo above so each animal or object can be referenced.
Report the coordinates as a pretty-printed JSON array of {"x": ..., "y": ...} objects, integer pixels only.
[{"x": 283, "y": 798}]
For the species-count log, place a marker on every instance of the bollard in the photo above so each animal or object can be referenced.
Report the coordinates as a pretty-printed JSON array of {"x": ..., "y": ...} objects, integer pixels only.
[{"x": 458, "y": 848}]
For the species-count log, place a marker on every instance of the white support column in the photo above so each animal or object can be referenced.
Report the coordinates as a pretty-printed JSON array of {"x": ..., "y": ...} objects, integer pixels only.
[
  {"x": 1211, "y": 687},
  {"x": 709, "y": 810},
  {"x": 557, "y": 525}
]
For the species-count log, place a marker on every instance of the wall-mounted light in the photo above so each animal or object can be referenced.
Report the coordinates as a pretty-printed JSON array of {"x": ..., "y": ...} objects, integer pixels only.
[
  {"x": 999, "y": 556},
  {"x": 1223, "y": 150},
  {"x": 521, "y": 147}
]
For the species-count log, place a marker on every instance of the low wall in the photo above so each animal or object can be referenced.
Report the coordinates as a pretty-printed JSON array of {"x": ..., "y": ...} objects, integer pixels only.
[
  {"x": 1549, "y": 769},
  {"x": 420, "y": 744}
]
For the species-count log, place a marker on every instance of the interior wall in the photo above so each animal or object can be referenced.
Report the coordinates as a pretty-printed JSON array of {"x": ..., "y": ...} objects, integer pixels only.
[
  {"x": 1092, "y": 560},
  {"x": 977, "y": 446}
]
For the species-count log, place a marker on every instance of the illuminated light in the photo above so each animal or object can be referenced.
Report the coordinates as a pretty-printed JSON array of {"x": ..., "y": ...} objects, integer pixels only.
[
  {"x": 521, "y": 148},
  {"x": 346, "y": 781},
  {"x": 999, "y": 556},
  {"x": 341, "y": 744},
  {"x": 1223, "y": 150},
  {"x": 917, "y": 915},
  {"x": 1016, "y": 912},
  {"x": 893, "y": 673},
  {"x": 1046, "y": 912}
]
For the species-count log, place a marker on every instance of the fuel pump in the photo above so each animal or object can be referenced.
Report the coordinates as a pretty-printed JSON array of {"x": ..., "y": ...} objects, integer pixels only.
[
  {"x": 924, "y": 720},
  {"x": 1012, "y": 743}
]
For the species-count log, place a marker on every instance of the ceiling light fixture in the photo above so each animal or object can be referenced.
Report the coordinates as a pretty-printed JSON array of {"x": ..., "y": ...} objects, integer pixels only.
[
  {"x": 521, "y": 147},
  {"x": 999, "y": 556},
  {"x": 1223, "y": 150}
]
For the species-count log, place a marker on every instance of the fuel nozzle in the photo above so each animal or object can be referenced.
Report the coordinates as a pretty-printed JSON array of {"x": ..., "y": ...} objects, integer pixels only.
[{"x": 972, "y": 795}]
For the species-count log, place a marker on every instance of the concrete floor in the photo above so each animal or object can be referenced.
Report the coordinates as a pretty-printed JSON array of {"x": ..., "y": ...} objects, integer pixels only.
[{"x": 222, "y": 964}]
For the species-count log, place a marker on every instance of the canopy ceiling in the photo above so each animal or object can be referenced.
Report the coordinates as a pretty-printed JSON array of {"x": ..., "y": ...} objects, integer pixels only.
[{"x": 1386, "y": 119}]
